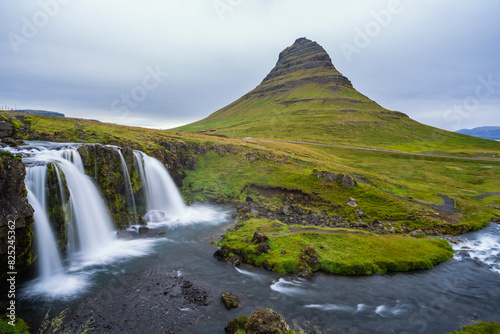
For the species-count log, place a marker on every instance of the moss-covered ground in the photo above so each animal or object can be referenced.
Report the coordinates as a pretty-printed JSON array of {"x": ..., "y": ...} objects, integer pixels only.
[
  {"x": 480, "y": 328},
  {"x": 341, "y": 251}
]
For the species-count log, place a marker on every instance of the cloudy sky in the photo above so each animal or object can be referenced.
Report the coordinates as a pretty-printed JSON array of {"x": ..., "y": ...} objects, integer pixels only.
[{"x": 163, "y": 63}]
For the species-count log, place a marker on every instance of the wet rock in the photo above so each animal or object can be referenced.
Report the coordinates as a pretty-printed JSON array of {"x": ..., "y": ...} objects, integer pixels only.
[
  {"x": 249, "y": 199},
  {"x": 230, "y": 300},
  {"x": 143, "y": 229},
  {"x": 124, "y": 235},
  {"x": 259, "y": 237},
  {"x": 237, "y": 324},
  {"x": 221, "y": 253},
  {"x": 141, "y": 221},
  {"x": 12, "y": 142},
  {"x": 235, "y": 261}
]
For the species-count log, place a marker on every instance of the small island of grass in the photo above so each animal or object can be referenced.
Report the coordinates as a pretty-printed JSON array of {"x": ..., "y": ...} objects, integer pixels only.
[{"x": 303, "y": 250}]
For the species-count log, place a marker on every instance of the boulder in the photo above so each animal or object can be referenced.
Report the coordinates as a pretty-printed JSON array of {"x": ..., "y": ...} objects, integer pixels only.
[
  {"x": 249, "y": 199},
  {"x": 237, "y": 324},
  {"x": 266, "y": 321},
  {"x": 348, "y": 181},
  {"x": 263, "y": 248},
  {"x": 141, "y": 221},
  {"x": 235, "y": 261},
  {"x": 417, "y": 233},
  {"x": 221, "y": 253},
  {"x": 143, "y": 229},
  {"x": 259, "y": 237},
  {"x": 352, "y": 204},
  {"x": 230, "y": 300},
  {"x": 308, "y": 261},
  {"x": 331, "y": 177}
]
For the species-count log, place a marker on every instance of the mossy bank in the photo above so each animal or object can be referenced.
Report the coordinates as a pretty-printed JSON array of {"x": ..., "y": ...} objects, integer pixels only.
[{"x": 303, "y": 250}]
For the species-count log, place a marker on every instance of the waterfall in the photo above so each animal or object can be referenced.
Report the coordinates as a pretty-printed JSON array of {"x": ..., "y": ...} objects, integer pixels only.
[
  {"x": 129, "y": 193},
  {"x": 49, "y": 260},
  {"x": 94, "y": 227},
  {"x": 163, "y": 200},
  {"x": 68, "y": 213}
]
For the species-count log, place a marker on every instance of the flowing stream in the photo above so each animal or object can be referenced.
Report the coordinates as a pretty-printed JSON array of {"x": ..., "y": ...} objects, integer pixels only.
[{"x": 430, "y": 301}]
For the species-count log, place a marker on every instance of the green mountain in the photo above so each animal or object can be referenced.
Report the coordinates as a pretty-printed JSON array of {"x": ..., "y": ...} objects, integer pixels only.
[{"x": 305, "y": 98}]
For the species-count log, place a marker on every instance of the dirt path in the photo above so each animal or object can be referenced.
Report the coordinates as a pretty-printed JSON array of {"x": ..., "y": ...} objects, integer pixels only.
[
  {"x": 295, "y": 230},
  {"x": 386, "y": 151}
]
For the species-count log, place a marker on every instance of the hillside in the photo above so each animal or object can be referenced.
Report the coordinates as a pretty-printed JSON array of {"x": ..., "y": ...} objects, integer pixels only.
[
  {"x": 485, "y": 132},
  {"x": 305, "y": 98}
]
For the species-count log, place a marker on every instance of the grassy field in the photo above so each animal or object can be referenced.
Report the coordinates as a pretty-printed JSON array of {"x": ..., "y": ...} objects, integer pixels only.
[{"x": 398, "y": 181}]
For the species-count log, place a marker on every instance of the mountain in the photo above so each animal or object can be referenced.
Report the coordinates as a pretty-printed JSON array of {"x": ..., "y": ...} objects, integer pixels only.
[
  {"x": 305, "y": 98},
  {"x": 486, "y": 132}
]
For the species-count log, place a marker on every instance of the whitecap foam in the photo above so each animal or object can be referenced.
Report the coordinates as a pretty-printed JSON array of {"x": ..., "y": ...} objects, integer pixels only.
[
  {"x": 483, "y": 247},
  {"x": 387, "y": 311},
  {"x": 289, "y": 288},
  {"x": 64, "y": 286},
  {"x": 248, "y": 273},
  {"x": 117, "y": 250},
  {"x": 331, "y": 307},
  {"x": 191, "y": 215}
]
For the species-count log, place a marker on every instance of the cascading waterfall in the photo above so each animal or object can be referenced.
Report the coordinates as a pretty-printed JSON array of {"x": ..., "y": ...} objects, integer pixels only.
[
  {"x": 163, "y": 200},
  {"x": 50, "y": 264},
  {"x": 91, "y": 218},
  {"x": 89, "y": 228},
  {"x": 129, "y": 193}
]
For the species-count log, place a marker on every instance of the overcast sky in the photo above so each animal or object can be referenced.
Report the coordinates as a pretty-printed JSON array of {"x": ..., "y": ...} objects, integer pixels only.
[{"x": 163, "y": 63}]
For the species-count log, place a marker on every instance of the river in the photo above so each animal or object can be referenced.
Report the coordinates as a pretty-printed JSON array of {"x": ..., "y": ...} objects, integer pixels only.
[{"x": 439, "y": 300}]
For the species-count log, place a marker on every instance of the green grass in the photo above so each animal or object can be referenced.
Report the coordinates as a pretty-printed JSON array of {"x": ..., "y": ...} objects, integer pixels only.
[
  {"x": 345, "y": 252},
  {"x": 480, "y": 328},
  {"x": 20, "y": 327},
  {"x": 398, "y": 180}
]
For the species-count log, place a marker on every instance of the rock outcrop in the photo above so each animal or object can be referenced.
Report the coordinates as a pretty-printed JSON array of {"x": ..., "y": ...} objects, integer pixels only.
[
  {"x": 345, "y": 180},
  {"x": 16, "y": 213},
  {"x": 263, "y": 321}
]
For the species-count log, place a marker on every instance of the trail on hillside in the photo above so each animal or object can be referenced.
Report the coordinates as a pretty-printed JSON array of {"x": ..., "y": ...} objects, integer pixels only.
[{"x": 381, "y": 150}]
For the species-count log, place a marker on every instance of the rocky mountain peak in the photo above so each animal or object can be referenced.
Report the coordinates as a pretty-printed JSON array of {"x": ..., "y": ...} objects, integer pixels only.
[{"x": 303, "y": 55}]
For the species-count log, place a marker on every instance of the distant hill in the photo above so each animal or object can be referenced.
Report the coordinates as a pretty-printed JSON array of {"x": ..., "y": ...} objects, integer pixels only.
[
  {"x": 305, "y": 98},
  {"x": 485, "y": 132},
  {"x": 41, "y": 112}
]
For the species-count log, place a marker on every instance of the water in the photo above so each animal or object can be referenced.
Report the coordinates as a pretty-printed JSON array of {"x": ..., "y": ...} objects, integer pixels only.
[
  {"x": 91, "y": 232},
  {"x": 163, "y": 199},
  {"x": 439, "y": 300},
  {"x": 129, "y": 193}
]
